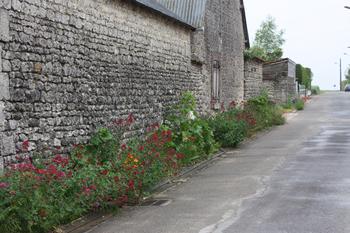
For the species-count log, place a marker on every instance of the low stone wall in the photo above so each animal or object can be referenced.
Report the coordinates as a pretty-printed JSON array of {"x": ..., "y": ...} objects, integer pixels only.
[
  {"x": 279, "y": 80},
  {"x": 253, "y": 78},
  {"x": 67, "y": 67}
]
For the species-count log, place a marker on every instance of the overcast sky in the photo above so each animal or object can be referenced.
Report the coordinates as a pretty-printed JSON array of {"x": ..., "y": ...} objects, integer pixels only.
[{"x": 317, "y": 33}]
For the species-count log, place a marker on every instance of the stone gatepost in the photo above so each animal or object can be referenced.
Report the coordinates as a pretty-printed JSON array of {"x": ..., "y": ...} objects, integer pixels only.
[{"x": 7, "y": 146}]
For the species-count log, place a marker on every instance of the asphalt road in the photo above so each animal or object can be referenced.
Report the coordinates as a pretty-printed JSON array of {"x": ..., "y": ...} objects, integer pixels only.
[{"x": 294, "y": 179}]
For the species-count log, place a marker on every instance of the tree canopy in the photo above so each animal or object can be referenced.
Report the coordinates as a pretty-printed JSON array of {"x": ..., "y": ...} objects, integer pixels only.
[{"x": 268, "y": 41}]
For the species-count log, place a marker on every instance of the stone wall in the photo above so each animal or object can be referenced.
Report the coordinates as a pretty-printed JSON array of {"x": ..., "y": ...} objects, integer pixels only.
[
  {"x": 253, "y": 78},
  {"x": 225, "y": 42},
  {"x": 279, "y": 80},
  {"x": 71, "y": 66}
]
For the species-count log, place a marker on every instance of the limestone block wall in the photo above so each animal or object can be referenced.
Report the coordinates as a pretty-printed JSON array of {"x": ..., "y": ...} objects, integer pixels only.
[
  {"x": 280, "y": 80},
  {"x": 68, "y": 67},
  {"x": 253, "y": 78}
]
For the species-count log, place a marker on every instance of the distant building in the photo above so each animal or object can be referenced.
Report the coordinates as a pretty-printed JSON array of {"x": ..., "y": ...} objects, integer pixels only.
[{"x": 279, "y": 79}]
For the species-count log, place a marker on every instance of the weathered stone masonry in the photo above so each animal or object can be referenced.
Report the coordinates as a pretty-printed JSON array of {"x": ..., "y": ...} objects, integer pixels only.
[
  {"x": 253, "y": 78},
  {"x": 70, "y": 66}
]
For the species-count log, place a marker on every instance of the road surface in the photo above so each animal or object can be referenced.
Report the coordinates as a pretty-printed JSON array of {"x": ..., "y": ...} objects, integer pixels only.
[{"x": 293, "y": 179}]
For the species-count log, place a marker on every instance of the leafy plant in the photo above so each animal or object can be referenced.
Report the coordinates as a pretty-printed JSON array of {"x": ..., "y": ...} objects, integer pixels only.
[
  {"x": 265, "y": 113},
  {"x": 299, "y": 105},
  {"x": 192, "y": 135},
  {"x": 228, "y": 129}
]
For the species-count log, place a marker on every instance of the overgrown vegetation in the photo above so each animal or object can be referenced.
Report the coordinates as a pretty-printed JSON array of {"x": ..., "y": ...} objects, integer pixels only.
[
  {"x": 38, "y": 194},
  {"x": 232, "y": 126},
  {"x": 192, "y": 135},
  {"x": 296, "y": 103}
]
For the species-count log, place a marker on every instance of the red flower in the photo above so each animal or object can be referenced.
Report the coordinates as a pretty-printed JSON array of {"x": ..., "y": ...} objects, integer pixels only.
[
  {"x": 93, "y": 187},
  {"x": 130, "y": 119},
  {"x": 141, "y": 148},
  {"x": 104, "y": 172},
  {"x": 116, "y": 179},
  {"x": 131, "y": 184},
  {"x": 180, "y": 156},
  {"x": 52, "y": 169},
  {"x": 60, "y": 174},
  {"x": 155, "y": 137},
  {"x": 25, "y": 145},
  {"x": 123, "y": 147},
  {"x": 40, "y": 171}
]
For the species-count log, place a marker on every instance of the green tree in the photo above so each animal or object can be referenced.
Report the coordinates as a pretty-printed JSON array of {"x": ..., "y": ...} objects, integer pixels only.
[
  {"x": 299, "y": 73},
  {"x": 268, "y": 41},
  {"x": 304, "y": 76}
]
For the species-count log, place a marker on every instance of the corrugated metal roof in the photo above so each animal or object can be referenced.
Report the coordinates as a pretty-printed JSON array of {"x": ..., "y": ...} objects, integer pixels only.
[
  {"x": 156, "y": 6},
  {"x": 191, "y": 11}
]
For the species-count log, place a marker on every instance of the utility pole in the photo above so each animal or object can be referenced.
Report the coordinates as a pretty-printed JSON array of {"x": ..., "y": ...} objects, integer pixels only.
[{"x": 340, "y": 80}]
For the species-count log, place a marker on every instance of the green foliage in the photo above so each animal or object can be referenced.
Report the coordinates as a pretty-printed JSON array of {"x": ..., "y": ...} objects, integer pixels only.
[
  {"x": 192, "y": 135},
  {"x": 299, "y": 105},
  {"x": 288, "y": 105},
  {"x": 229, "y": 131},
  {"x": 268, "y": 42},
  {"x": 265, "y": 113},
  {"x": 103, "y": 145},
  {"x": 315, "y": 90},
  {"x": 304, "y": 76}
]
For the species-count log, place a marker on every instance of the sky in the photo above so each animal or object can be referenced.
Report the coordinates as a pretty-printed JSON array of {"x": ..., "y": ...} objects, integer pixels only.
[{"x": 317, "y": 33}]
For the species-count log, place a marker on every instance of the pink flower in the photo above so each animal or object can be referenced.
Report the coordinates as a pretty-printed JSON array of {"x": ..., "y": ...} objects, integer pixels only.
[{"x": 4, "y": 185}]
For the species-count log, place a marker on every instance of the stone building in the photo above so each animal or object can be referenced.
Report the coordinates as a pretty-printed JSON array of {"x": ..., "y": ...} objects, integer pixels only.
[
  {"x": 253, "y": 77},
  {"x": 67, "y": 67},
  {"x": 218, "y": 45},
  {"x": 279, "y": 80}
]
